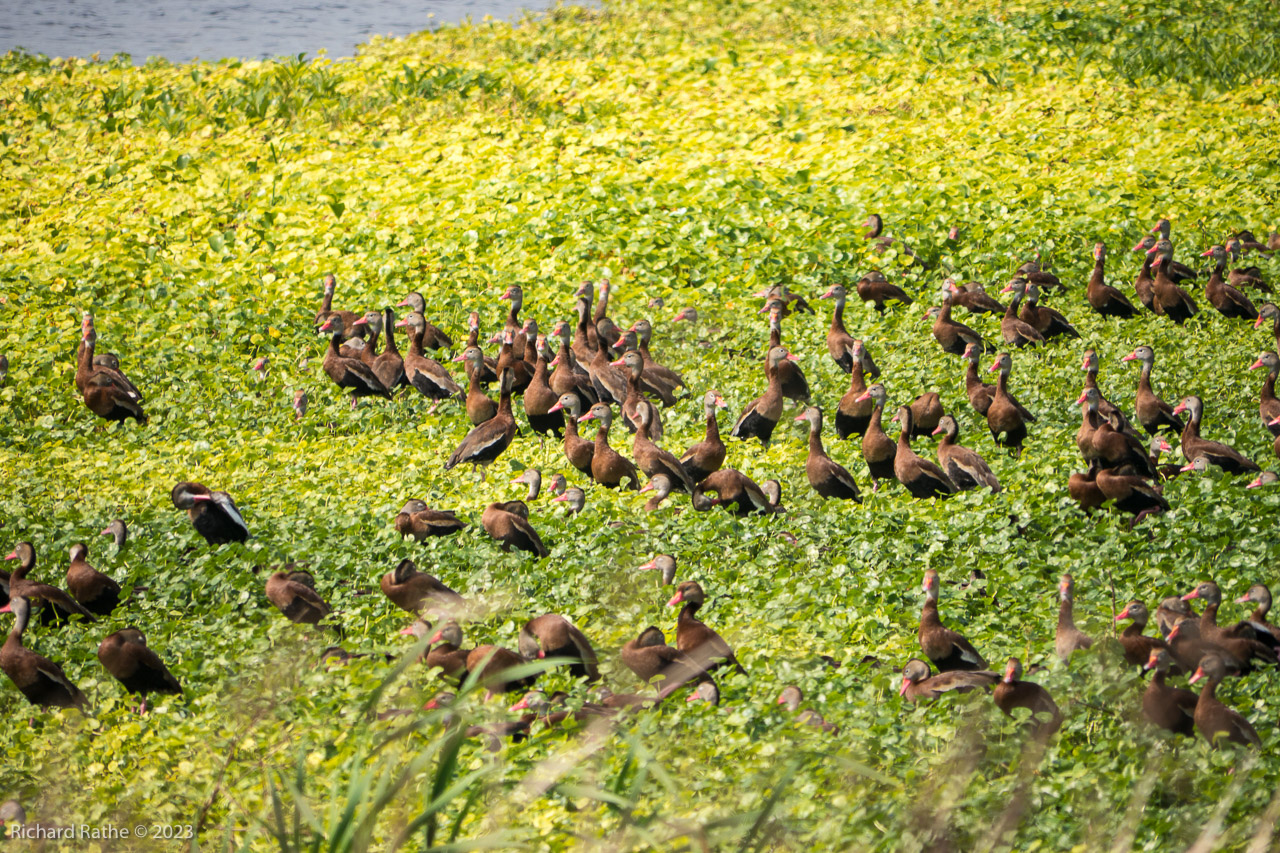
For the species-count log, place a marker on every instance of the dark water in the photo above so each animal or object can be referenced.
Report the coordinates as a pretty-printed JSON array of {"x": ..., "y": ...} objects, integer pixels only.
[{"x": 180, "y": 30}]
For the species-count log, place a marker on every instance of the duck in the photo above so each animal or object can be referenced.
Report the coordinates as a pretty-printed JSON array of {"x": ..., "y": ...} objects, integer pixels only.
[
  {"x": 57, "y": 606},
  {"x": 878, "y": 450},
  {"x": 1269, "y": 311},
  {"x": 346, "y": 372},
  {"x": 574, "y": 498},
  {"x": 299, "y": 404},
  {"x": 1102, "y": 444},
  {"x": 1091, "y": 365},
  {"x": 532, "y": 478},
  {"x": 1225, "y": 457},
  {"x": 732, "y": 487},
  {"x": 1137, "y": 645},
  {"x": 39, "y": 679},
  {"x": 607, "y": 332},
  {"x": 1037, "y": 275},
  {"x": 1083, "y": 489},
  {"x": 326, "y": 308},
  {"x": 507, "y": 523},
  {"x": 1102, "y": 297},
  {"x": 577, "y": 449},
  {"x": 610, "y": 385},
  {"x": 1211, "y": 595},
  {"x": 1015, "y": 331},
  {"x": 1246, "y": 276},
  {"x": 1225, "y": 299},
  {"x": 653, "y": 369},
  {"x": 702, "y": 644},
  {"x": 609, "y": 467},
  {"x": 1215, "y": 721},
  {"x": 444, "y": 650},
  {"x": 487, "y": 370},
  {"x": 876, "y": 289},
  {"x": 1145, "y": 284},
  {"x": 1012, "y": 692},
  {"x": 791, "y": 697},
  {"x": 1266, "y": 478},
  {"x": 1260, "y": 595},
  {"x": 1132, "y": 492},
  {"x": 1048, "y": 322},
  {"x": 827, "y": 477},
  {"x": 707, "y": 456},
  {"x": 1007, "y": 419},
  {"x": 418, "y": 520},
  {"x": 1174, "y": 302},
  {"x": 214, "y": 515},
  {"x": 791, "y": 378},
  {"x": 635, "y": 401},
  {"x": 493, "y": 666},
  {"x": 980, "y": 394},
  {"x": 433, "y": 337},
  {"x": 411, "y": 590},
  {"x": 922, "y": 478},
  {"x": 918, "y": 682},
  {"x": 569, "y": 377},
  {"x": 654, "y": 461},
  {"x": 839, "y": 341},
  {"x": 965, "y": 468},
  {"x": 649, "y": 657},
  {"x": 761, "y": 415},
  {"x": 387, "y": 365},
  {"x": 1188, "y": 645},
  {"x": 486, "y": 442},
  {"x": 512, "y": 358},
  {"x": 1171, "y": 708},
  {"x": 585, "y": 339},
  {"x": 514, "y": 294},
  {"x": 665, "y": 565},
  {"x": 954, "y": 337},
  {"x": 553, "y": 636},
  {"x": 1268, "y": 405},
  {"x": 107, "y": 395},
  {"x": 126, "y": 655},
  {"x": 1068, "y": 638},
  {"x": 853, "y": 414},
  {"x": 1177, "y": 271},
  {"x": 947, "y": 649},
  {"x": 423, "y": 373},
  {"x": 973, "y": 297},
  {"x": 660, "y": 485},
  {"x": 539, "y": 399},
  {"x": 118, "y": 531},
  {"x": 98, "y": 593},
  {"x": 294, "y": 594},
  {"x": 1153, "y": 413},
  {"x": 1170, "y": 612}
]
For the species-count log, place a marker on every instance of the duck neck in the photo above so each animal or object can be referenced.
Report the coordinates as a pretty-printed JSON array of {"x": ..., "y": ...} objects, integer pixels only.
[
  {"x": 415, "y": 341},
  {"x": 1066, "y": 618},
  {"x": 815, "y": 440},
  {"x": 391, "y": 339},
  {"x": 837, "y": 316},
  {"x": 713, "y": 426}
]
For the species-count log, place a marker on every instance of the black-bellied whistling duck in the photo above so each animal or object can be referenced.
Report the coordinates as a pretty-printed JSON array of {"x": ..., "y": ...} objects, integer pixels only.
[
  {"x": 573, "y": 498},
  {"x": 412, "y": 590},
  {"x": 98, "y": 593},
  {"x": 853, "y": 414},
  {"x": 214, "y": 515},
  {"x": 707, "y": 455},
  {"x": 1174, "y": 302},
  {"x": 1193, "y": 446},
  {"x": 649, "y": 657},
  {"x": 918, "y": 682},
  {"x": 1132, "y": 492},
  {"x": 1211, "y": 595},
  {"x": 1214, "y": 720},
  {"x": 1260, "y": 595},
  {"x": 660, "y": 485},
  {"x": 532, "y": 478},
  {"x": 1187, "y": 646},
  {"x": 509, "y": 358},
  {"x": 761, "y": 415},
  {"x": 731, "y": 487},
  {"x": 387, "y": 365},
  {"x": 790, "y": 377},
  {"x": 487, "y": 371},
  {"x": 118, "y": 531},
  {"x": 608, "y": 467},
  {"x": 1012, "y": 692},
  {"x": 56, "y": 605},
  {"x": 1045, "y": 320},
  {"x": 791, "y": 697},
  {"x": 1267, "y": 478},
  {"x": 1006, "y": 417},
  {"x": 515, "y": 295},
  {"x": 507, "y": 523},
  {"x": 1170, "y": 708},
  {"x": 1153, "y": 413},
  {"x": 577, "y": 450},
  {"x": 1090, "y": 366},
  {"x": 1015, "y": 331},
  {"x": 585, "y": 340},
  {"x": 1228, "y": 301},
  {"x": 1068, "y": 638},
  {"x": 702, "y": 644},
  {"x": 686, "y": 315},
  {"x": 980, "y": 394},
  {"x": 326, "y": 310},
  {"x": 706, "y": 692},
  {"x": 444, "y": 648},
  {"x": 876, "y": 289},
  {"x": 772, "y": 490},
  {"x": 665, "y": 565},
  {"x": 606, "y": 330},
  {"x": 1177, "y": 271},
  {"x": 973, "y": 297},
  {"x": 1170, "y": 612},
  {"x": 922, "y": 478},
  {"x": 480, "y": 407},
  {"x": 884, "y": 241},
  {"x": 1090, "y": 423},
  {"x": 1269, "y": 311},
  {"x": 539, "y": 399},
  {"x": 1035, "y": 274},
  {"x": 433, "y": 337},
  {"x": 954, "y": 337},
  {"x": 926, "y": 414},
  {"x": 106, "y": 392},
  {"x": 1145, "y": 284},
  {"x": 1268, "y": 405},
  {"x": 426, "y": 374},
  {"x": 130, "y": 661},
  {"x": 569, "y": 377},
  {"x": 635, "y": 401},
  {"x": 557, "y": 485},
  {"x": 1246, "y": 276},
  {"x": 610, "y": 384},
  {"x": 1103, "y": 298},
  {"x": 1137, "y": 645},
  {"x": 485, "y": 443},
  {"x": 947, "y": 649},
  {"x": 966, "y": 468},
  {"x": 1105, "y": 446},
  {"x": 654, "y": 461},
  {"x": 552, "y": 635},
  {"x": 418, "y": 520},
  {"x": 1250, "y": 243},
  {"x": 294, "y": 594},
  {"x": 839, "y": 341},
  {"x": 494, "y": 665},
  {"x": 652, "y": 368},
  {"x": 299, "y": 404},
  {"x": 1083, "y": 489},
  {"x": 827, "y": 477},
  {"x": 39, "y": 679},
  {"x": 349, "y": 372},
  {"x": 878, "y": 449}
]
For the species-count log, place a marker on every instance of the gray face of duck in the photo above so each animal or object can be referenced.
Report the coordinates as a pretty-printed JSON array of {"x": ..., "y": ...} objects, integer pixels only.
[
  {"x": 118, "y": 532},
  {"x": 532, "y": 478}
]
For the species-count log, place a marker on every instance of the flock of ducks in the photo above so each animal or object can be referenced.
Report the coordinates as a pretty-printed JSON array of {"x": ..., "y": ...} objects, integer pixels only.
[{"x": 598, "y": 371}]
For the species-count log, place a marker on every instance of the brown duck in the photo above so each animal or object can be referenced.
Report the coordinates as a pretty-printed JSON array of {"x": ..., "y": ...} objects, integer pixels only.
[
  {"x": 421, "y": 522},
  {"x": 1260, "y": 595},
  {"x": 553, "y": 636},
  {"x": 947, "y": 649},
  {"x": 1268, "y": 405},
  {"x": 1068, "y": 638},
  {"x": 39, "y": 679},
  {"x": 350, "y": 373},
  {"x": 953, "y": 336},
  {"x": 1215, "y": 721},
  {"x": 918, "y": 682},
  {"x": 702, "y": 644},
  {"x": 58, "y": 605},
  {"x": 1048, "y": 322},
  {"x": 922, "y": 478},
  {"x": 98, "y": 593},
  {"x": 706, "y": 457},
  {"x": 980, "y": 394},
  {"x": 486, "y": 442},
  {"x": 635, "y": 401},
  {"x": 412, "y": 590},
  {"x": 609, "y": 467},
  {"x": 1193, "y": 446},
  {"x": 1138, "y": 647},
  {"x": 1153, "y": 413},
  {"x": 654, "y": 461},
  {"x": 294, "y": 594},
  {"x": 827, "y": 477},
  {"x": 507, "y": 523},
  {"x": 731, "y": 488},
  {"x": 876, "y": 289},
  {"x": 577, "y": 449},
  {"x": 1225, "y": 299},
  {"x": 1017, "y": 332},
  {"x": 130, "y": 661},
  {"x": 433, "y": 337},
  {"x": 853, "y": 414},
  {"x": 1006, "y": 417},
  {"x": 839, "y": 341},
  {"x": 1012, "y": 692},
  {"x": 761, "y": 415},
  {"x": 1174, "y": 302},
  {"x": 426, "y": 374},
  {"x": 878, "y": 450},
  {"x": 649, "y": 657},
  {"x": 1171, "y": 708},
  {"x": 973, "y": 297},
  {"x": 1103, "y": 298},
  {"x": 480, "y": 407},
  {"x": 966, "y": 469}
]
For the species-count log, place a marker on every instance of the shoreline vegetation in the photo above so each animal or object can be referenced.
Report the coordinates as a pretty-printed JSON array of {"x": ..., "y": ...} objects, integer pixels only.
[{"x": 693, "y": 154}]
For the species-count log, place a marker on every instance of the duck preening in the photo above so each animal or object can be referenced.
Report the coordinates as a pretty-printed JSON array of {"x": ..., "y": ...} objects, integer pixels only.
[
  {"x": 732, "y": 488},
  {"x": 827, "y": 477},
  {"x": 947, "y": 649},
  {"x": 214, "y": 515},
  {"x": 413, "y": 590},
  {"x": 702, "y": 644},
  {"x": 973, "y": 297},
  {"x": 918, "y": 682},
  {"x": 39, "y": 679},
  {"x": 876, "y": 289},
  {"x": 553, "y": 636},
  {"x": 418, "y": 520},
  {"x": 293, "y": 592},
  {"x": 130, "y": 661},
  {"x": 106, "y": 391},
  {"x": 507, "y": 522},
  {"x": 665, "y": 565}
]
